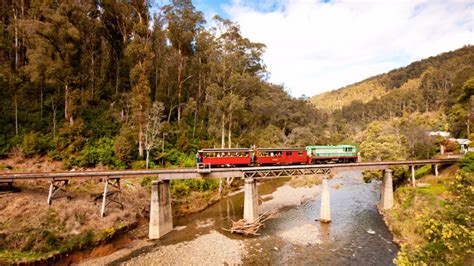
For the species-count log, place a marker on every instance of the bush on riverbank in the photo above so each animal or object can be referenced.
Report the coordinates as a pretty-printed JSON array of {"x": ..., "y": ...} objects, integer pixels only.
[{"x": 434, "y": 224}]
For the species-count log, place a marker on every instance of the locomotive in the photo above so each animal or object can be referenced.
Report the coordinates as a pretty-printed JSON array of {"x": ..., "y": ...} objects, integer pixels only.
[{"x": 277, "y": 156}]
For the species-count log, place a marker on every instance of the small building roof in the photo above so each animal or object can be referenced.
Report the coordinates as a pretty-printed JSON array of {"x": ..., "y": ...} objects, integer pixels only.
[
  {"x": 445, "y": 134},
  {"x": 463, "y": 141}
]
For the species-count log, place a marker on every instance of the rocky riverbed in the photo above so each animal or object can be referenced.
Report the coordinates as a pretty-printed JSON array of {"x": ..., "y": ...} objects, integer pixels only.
[{"x": 357, "y": 234}]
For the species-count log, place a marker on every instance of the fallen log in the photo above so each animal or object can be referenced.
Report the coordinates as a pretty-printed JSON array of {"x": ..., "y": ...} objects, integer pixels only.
[{"x": 245, "y": 228}]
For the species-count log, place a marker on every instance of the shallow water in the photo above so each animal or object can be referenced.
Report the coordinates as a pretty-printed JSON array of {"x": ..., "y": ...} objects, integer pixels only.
[{"x": 357, "y": 234}]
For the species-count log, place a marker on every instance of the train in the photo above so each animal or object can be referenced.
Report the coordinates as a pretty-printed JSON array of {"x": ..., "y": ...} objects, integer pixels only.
[{"x": 276, "y": 156}]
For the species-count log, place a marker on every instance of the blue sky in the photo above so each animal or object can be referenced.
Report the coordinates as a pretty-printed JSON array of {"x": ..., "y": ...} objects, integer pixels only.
[{"x": 316, "y": 46}]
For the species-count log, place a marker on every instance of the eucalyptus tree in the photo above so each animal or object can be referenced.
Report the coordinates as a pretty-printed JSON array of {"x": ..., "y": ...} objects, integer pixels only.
[
  {"x": 140, "y": 57},
  {"x": 238, "y": 68},
  {"x": 183, "y": 23}
]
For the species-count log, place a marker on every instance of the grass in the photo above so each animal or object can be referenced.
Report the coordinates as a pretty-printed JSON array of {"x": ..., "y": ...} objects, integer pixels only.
[
  {"x": 422, "y": 171},
  {"x": 17, "y": 255}
]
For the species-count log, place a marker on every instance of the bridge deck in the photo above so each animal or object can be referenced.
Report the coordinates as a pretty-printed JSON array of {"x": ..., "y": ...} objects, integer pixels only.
[{"x": 187, "y": 173}]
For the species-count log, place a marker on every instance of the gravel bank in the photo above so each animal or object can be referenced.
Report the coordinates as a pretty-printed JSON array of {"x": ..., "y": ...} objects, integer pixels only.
[{"x": 210, "y": 249}]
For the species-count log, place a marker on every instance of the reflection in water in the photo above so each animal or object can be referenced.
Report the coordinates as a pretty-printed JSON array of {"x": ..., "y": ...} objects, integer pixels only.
[
  {"x": 325, "y": 227},
  {"x": 293, "y": 236}
]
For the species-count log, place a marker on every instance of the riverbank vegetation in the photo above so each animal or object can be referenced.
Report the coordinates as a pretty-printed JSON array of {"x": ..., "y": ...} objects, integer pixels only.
[{"x": 433, "y": 222}]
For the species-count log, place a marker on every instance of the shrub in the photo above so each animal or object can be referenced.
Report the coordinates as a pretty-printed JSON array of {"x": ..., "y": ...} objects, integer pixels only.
[
  {"x": 145, "y": 181},
  {"x": 124, "y": 146},
  {"x": 184, "y": 187},
  {"x": 99, "y": 151},
  {"x": 139, "y": 164},
  {"x": 176, "y": 157},
  {"x": 369, "y": 175},
  {"x": 7, "y": 144},
  {"x": 34, "y": 143},
  {"x": 466, "y": 163},
  {"x": 179, "y": 187}
]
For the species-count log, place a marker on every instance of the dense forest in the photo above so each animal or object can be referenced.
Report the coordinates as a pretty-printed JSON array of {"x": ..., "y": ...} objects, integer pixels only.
[{"x": 107, "y": 82}]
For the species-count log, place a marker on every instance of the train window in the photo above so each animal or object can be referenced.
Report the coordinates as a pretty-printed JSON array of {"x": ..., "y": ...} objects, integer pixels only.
[{"x": 300, "y": 153}]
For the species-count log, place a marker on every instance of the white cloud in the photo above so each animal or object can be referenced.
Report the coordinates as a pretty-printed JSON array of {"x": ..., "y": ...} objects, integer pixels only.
[{"x": 314, "y": 47}]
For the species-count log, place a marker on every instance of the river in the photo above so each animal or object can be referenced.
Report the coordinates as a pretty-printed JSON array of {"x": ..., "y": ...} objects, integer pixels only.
[{"x": 357, "y": 234}]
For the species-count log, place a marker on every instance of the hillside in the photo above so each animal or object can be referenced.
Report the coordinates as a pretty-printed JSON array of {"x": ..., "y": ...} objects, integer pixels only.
[
  {"x": 395, "y": 81},
  {"x": 94, "y": 84}
]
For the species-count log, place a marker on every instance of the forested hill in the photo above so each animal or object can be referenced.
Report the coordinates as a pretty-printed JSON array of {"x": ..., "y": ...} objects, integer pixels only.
[
  {"x": 388, "y": 116},
  {"x": 107, "y": 82},
  {"x": 401, "y": 81}
]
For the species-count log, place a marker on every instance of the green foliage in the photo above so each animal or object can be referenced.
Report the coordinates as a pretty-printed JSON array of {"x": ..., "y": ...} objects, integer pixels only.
[
  {"x": 7, "y": 144},
  {"x": 422, "y": 171},
  {"x": 448, "y": 232},
  {"x": 124, "y": 146},
  {"x": 145, "y": 181},
  {"x": 466, "y": 163},
  {"x": 176, "y": 157},
  {"x": 179, "y": 188},
  {"x": 138, "y": 164},
  {"x": 35, "y": 143},
  {"x": 98, "y": 152},
  {"x": 184, "y": 187},
  {"x": 382, "y": 142},
  {"x": 369, "y": 175}
]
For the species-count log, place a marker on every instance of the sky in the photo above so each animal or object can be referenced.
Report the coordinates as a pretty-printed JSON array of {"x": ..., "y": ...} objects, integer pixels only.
[{"x": 321, "y": 45}]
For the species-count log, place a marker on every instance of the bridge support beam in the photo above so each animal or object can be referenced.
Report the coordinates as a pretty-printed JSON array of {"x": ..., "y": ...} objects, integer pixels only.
[
  {"x": 386, "y": 200},
  {"x": 111, "y": 195},
  {"x": 413, "y": 181},
  {"x": 55, "y": 187},
  {"x": 161, "y": 217},
  {"x": 250, "y": 200},
  {"x": 325, "y": 213}
]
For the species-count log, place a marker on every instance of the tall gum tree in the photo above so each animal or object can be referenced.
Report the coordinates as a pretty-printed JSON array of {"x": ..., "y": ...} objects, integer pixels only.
[
  {"x": 238, "y": 67},
  {"x": 183, "y": 23},
  {"x": 140, "y": 55}
]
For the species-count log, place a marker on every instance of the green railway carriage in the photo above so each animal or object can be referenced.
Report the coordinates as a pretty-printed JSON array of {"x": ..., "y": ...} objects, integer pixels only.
[{"x": 326, "y": 154}]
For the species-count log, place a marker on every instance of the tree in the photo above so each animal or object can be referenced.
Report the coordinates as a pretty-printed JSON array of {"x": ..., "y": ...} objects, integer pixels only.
[
  {"x": 184, "y": 21},
  {"x": 153, "y": 128},
  {"x": 141, "y": 57}
]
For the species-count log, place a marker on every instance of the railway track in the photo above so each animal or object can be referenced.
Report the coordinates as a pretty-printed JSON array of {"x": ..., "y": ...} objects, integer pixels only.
[{"x": 186, "y": 173}]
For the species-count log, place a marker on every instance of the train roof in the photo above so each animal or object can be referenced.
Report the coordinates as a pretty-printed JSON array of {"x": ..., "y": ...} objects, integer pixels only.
[
  {"x": 331, "y": 146},
  {"x": 280, "y": 149},
  {"x": 226, "y": 150}
]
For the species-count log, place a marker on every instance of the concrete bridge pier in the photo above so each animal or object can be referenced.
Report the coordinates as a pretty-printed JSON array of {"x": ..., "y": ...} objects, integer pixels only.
[
  {"x": 413, "y": 181},
  {"x": 435, "y": 169},
  {"x": 250, "y": 200},
  {"x": 386, "y": 200},
  {"x": 325, "y": 212},
  {"x": 161, "y": 219}
]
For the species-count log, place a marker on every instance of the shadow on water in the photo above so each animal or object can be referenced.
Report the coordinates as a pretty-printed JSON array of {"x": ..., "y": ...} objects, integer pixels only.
[{"x": 357, "y": 234}]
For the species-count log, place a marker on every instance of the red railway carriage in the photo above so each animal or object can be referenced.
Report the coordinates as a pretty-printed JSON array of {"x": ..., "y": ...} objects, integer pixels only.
[
  {"x": 223, "y": 157},
  {"x": 272, "y": 156}
]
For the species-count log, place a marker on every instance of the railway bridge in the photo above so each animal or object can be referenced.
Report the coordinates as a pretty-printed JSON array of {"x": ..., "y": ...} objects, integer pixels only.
[{"x": 161, "y": 220}]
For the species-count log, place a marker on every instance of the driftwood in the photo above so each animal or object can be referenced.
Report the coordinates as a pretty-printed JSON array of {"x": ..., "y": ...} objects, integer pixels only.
[{"x": 245, "y": 228}]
